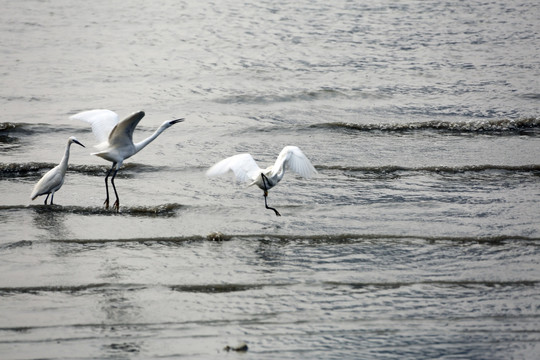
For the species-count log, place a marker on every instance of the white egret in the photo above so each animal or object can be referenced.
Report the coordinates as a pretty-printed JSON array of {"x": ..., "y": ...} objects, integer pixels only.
[
  {"x": 53, "y": 180},
  {"x": 246, "y": 169},
  {"x": 116, "y": 140}
]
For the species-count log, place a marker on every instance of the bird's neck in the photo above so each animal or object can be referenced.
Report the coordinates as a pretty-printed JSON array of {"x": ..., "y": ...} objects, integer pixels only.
[
  {"x": 142, "y": 144},
  {"x": 278, "y": 170},
  {"x": 65, "y": 159},
  {"x": 275, "y": 174}
]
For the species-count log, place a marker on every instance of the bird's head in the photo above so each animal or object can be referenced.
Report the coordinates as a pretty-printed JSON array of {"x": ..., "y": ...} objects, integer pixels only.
[
  {"x": 73, "y": 139},
  {"x": 172, "y": 122}
]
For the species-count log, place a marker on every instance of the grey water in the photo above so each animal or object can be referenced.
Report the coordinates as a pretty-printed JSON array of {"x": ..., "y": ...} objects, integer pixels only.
[{"x": 418, "y": 239}]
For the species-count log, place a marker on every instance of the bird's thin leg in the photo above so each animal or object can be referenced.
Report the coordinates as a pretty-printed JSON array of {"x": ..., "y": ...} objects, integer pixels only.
[
  {"x": 52, "y": 197},
  {"x": 265, "y": 180},
  {"x": 106, "y": 203},
  {"x": 117, "y": 202},
  {"x": 47, "y": 198}
]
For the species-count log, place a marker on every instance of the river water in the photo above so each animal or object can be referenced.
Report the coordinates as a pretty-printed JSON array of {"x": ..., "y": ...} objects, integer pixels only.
[{"x": 418, "y": 239}]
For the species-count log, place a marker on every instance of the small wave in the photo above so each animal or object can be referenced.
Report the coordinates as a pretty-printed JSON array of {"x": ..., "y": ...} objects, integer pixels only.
[
  {"x": 524, "y": 125},
  {"x": 232, "y": 287},
  {"x": 163, "y": 210},
  {"x": 16, "y": 129},
  {"x": 388, "y": 169},
  {"x": 64, "y": 288},
  {"x": 158, "y": 210},
  {"x": 23, "y": 169},
  {"x": 440, "y": 283},
  {"x": 166, "y": 210},
  {"x": 531, "y": 96},
  {"x": 7, "y": 126},
  {"x": 314, "y": 238},
  {"x": 11, "y": 170},
  {"x": 71, "y": 289},
  {"x": 125, "y": 171},
  {"x": 36, "y": 128},
  {"x": 216, "y": 288}
]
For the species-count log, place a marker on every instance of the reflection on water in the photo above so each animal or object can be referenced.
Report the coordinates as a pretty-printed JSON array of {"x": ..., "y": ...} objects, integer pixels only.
[
  {"x": 46, "y": 218},
  {"x": 119, "y": 311}
]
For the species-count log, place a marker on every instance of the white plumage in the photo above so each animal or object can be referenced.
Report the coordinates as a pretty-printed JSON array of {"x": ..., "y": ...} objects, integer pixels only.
[
  {"x": 246, "y": 169},
  {"x": 53, "y": 180},
  {"x": 115, "y": 139}
]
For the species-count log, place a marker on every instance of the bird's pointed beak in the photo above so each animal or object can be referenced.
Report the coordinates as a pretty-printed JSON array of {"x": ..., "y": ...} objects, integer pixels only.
[
  {"x": 172, "y": 122},
  {"x": 77, "y": 142}
]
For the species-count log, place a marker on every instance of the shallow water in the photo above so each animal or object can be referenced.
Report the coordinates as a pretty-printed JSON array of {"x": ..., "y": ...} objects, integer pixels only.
[{"x": 419, "y": 237}]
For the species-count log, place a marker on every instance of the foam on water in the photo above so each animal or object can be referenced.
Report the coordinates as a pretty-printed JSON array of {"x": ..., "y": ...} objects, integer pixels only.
[
  {"x": 502, "y": 127},
  {"x": 14, "y": 170},
  {"x": 158, "y": 210}
]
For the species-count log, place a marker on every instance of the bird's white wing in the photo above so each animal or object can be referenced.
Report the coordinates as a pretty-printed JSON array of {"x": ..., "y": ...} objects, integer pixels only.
[
  {"x": 102, "y": 121},
  {"x": 295, "y": 160},
  {"x": 243, "y": 166},
  {"x": 122, "y": 134}
]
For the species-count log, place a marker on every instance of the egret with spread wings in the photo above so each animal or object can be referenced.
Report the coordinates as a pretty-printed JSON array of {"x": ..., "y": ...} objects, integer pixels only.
[
  {"x": 246, "y": 169},
  {"x": 116, "y": 140}
]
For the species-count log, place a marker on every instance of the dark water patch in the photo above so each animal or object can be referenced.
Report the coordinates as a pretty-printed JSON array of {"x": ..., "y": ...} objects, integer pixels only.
[
  {"x": 524, "y": 126},
  {"x": 7, "y": 141},
  {"x": 35, "y": 169},
  {"x": 216, "y": 288},
  {"x": 16, "y": 244}
]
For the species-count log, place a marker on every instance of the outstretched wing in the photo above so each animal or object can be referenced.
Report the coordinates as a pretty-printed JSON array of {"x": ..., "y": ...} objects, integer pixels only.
[
  {"x": 243, "y": 166},
  {"x": 122, "y": 134},
  {"x": 294, "y": 159},
  {"x": 102, "y": 121}
]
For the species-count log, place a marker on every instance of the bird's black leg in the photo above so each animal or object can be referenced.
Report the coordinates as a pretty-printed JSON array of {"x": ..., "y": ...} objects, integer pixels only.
[
  {"x": 47, "y": 198},
  {"x": 265, "y": 180},
  {"x": 117, "y": 202},
  {"x": 106, "y": 203}
]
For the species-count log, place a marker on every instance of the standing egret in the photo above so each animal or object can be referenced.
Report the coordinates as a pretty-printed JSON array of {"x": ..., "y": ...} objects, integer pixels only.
[
  {"x": 246, "y": 169},
  {"x": 116, "y": 140},
  {"x": 52, "y": 181}
]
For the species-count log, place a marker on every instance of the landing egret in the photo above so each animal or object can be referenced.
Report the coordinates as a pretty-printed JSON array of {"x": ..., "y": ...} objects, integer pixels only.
[
  {"x": 246, "y": 169},
  {"x": 116, "y": 140},
  {"x": 53, "y": 180}
]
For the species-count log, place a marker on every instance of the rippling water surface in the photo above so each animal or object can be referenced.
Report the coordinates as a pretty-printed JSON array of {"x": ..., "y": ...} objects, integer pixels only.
[{"x": 419, "y": 237}]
